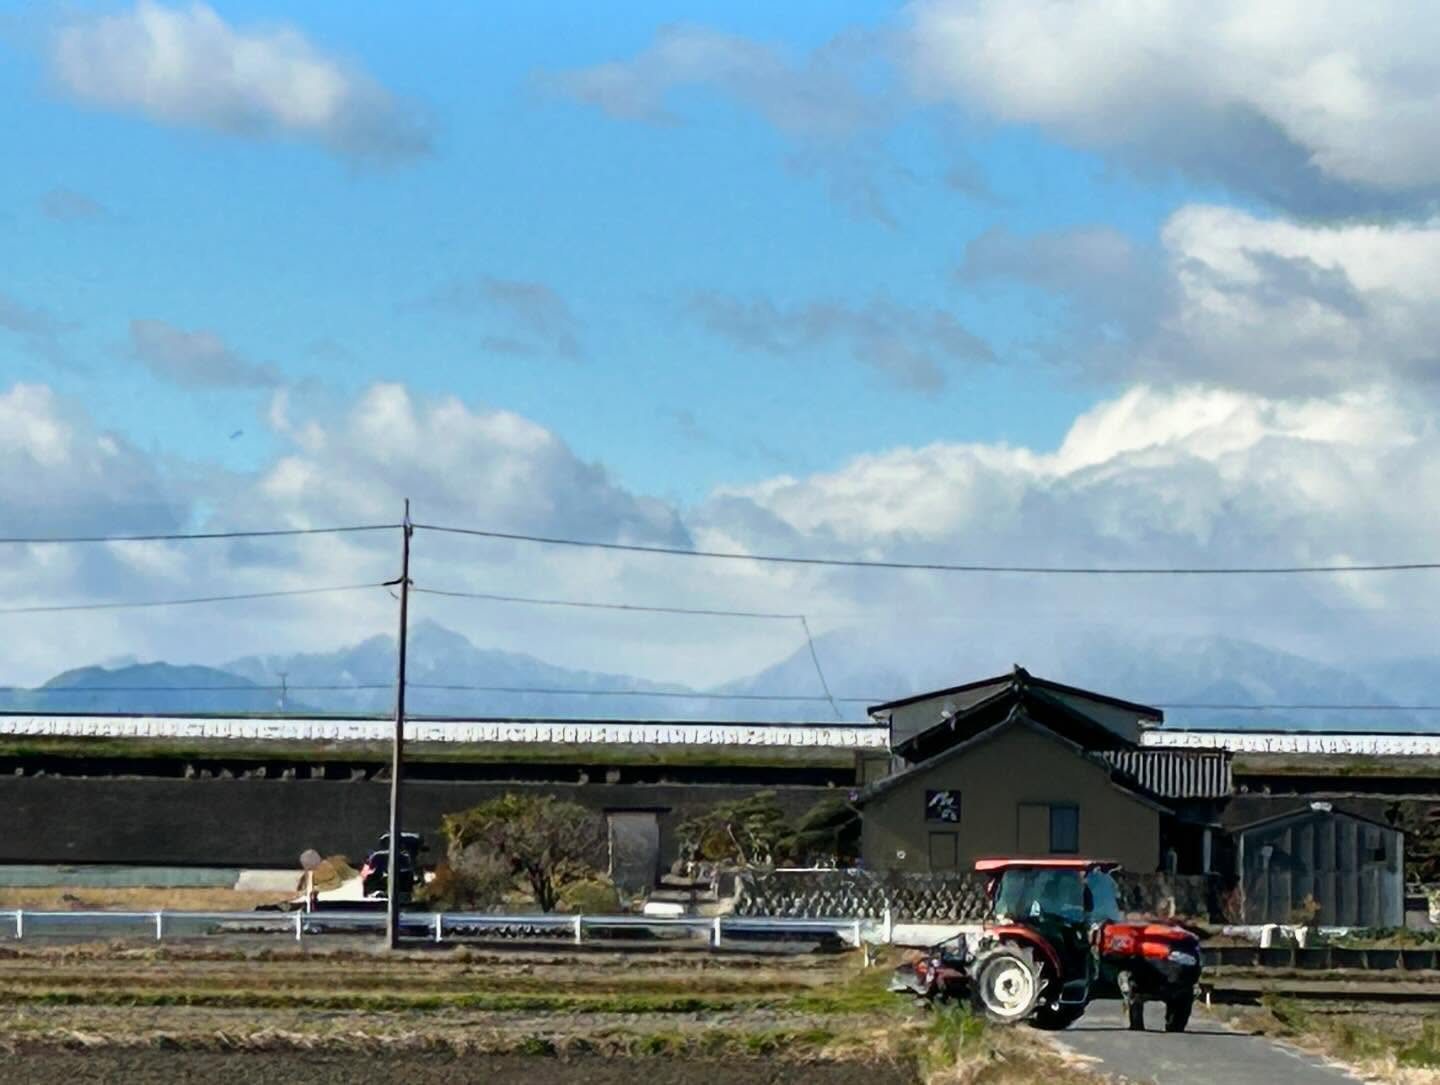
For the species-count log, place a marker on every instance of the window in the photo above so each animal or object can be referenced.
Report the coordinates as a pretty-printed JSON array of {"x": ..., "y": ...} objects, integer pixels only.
[
  {"x": 1064, "y": 830},
  {"x": 943, "y": 806},
  {"x": 944, "y": 851}
]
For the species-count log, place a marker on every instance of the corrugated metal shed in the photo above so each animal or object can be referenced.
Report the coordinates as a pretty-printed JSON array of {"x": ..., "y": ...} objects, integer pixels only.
[
  {"x": 1351, "y": 866},
  {"x": 1176, "y": 774}
]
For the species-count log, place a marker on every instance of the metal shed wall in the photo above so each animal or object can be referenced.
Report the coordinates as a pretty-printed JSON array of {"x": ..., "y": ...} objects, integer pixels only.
[{"x": 1352, "y": 867}]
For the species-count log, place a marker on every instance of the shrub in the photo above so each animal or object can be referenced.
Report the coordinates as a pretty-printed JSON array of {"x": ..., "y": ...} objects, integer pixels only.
[
  {"x": 477, "y": 881},
  {"x": 545, "y": 841},
  {"x": 594, "y": 896}
]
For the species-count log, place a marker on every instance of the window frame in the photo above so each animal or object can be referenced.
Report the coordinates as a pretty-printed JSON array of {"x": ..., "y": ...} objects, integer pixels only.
[{"x": 1074, "y": 809}]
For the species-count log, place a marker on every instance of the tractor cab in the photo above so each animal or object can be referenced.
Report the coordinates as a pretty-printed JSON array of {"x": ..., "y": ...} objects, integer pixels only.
[{"x": 1056, "y": 907}]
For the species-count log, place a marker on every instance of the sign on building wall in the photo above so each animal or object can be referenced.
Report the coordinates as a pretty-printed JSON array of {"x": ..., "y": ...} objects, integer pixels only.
[{"x": 943, "y": 806}]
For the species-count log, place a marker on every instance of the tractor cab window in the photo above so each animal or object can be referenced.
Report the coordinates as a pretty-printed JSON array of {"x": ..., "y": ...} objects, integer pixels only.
[
  {"x": 1103, "y": 897},
  {"x": 1030, "y": 894}
]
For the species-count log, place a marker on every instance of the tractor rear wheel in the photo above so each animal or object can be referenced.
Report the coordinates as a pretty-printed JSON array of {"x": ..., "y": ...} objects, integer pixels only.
[
  {"x": 1177, "y": 1011},
  {"x": 1005, "y": 983}
]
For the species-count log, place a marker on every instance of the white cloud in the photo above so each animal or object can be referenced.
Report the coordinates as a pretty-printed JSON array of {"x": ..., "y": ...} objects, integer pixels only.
[
  {"x": 187, "y": 66},
  {"x": 1188, "y": 476},
  {"x": 1230, "y": 298},
  {"x": 1326, "y": 105}
]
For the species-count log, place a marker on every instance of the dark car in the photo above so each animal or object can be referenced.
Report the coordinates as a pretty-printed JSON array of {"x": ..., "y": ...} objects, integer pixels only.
[{"x": 375, "y": 875}]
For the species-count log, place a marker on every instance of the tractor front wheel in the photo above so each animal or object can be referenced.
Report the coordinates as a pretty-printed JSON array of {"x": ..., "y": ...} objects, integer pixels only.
[
  {"x": 1054, "y": 1017},
  {"x": 1132, "y": 1001},
  {"x": 1006, "y": 983}
]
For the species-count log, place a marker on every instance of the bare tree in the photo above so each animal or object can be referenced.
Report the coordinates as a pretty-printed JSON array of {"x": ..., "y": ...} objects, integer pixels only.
[{"x": 548, "y": 842}]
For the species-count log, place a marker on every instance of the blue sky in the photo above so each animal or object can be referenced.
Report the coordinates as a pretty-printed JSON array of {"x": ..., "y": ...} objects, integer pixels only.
[
  {"x": 279, "y": 248},
  {"x": 1070, "y": 283}
]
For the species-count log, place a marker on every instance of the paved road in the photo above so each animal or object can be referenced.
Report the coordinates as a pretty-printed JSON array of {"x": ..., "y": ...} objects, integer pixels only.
[{"x": 1207, "y": 1053}]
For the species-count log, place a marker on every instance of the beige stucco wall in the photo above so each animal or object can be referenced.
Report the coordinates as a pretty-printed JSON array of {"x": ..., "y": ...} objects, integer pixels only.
[{"x": 1019, "y": 764}]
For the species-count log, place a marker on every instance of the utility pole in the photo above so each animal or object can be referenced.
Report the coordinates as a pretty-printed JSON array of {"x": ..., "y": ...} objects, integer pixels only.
[
  {"x": 397, "y": 749},
  {"x": 283, "y": 688}
]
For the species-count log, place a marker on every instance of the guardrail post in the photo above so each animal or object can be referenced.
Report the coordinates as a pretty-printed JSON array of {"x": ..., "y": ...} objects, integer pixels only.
[
  {"x": 19, "y": 925},
  {"x": 887, "y": 928},
  {"x": 715, "y": 933},
  {"x": 159, "y": 926},
  {"x": 299, "y": 926},
  {"x": 579, "y": 936},
  {"x": 856, "y": 930},
  {"x": 439, "y": 921}
]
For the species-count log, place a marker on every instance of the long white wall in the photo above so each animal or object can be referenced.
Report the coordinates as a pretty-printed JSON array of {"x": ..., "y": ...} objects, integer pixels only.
[{"x": 319, "y": 729}]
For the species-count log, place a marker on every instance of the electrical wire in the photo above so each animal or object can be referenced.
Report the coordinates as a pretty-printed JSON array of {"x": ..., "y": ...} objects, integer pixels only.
[
  {"x": 56, "y": 608},
  {"x": 943, "y": 567},
  {"x": 682, "y": 695},
  {"x": 804, "y": 625},
  {"x": 46, "y": 690},
  {"x": 190, "y": 536},
  {"x": 699, "y": 695},
  {"x": 588, "y": 605},
  {"x": 1305, "y": 707}
]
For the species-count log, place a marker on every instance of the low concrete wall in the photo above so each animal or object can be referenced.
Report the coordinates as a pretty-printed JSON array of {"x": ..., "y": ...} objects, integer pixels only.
[{"x": 268, "y": 822}]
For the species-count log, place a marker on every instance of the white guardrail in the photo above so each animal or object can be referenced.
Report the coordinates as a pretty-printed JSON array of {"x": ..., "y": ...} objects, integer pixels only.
[{"x": 433, "y": 926}]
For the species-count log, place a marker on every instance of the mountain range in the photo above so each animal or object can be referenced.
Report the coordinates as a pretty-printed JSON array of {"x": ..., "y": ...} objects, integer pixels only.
[{"x": 449, "y": 675}]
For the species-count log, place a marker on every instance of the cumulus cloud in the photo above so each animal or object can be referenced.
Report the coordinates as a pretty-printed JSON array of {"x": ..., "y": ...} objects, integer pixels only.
[
  {"x": 1186, "y": 477},
  {"x": 188, "y": 66},
  {"x": 533, "y": 318},
  {"x": 195, "y": 359},
  {"x": 1180, "y": 476},
  {"x": 460, "y": 464},
  {"x": 912, "y": 346},
  {"x": 1323, "y": 107},
  {"x": 1236, "y": 299},
  {"x": 61, "y": 475}
]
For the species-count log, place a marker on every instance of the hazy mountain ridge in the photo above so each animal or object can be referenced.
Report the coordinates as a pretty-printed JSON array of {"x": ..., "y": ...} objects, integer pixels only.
[{"x": 862, "y": 667}]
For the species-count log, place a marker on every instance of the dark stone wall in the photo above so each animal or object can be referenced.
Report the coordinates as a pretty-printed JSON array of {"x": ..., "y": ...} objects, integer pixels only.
[{"x": 269, "y": 822}]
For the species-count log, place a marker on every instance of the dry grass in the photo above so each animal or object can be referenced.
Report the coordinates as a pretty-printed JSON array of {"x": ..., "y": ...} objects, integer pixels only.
[
  {"x": 1396, "y": 1049},
  {"x": 469, "y": 1000},
  {"x": 961, "y": 1049},
  {"x": 135, "y": 899}
]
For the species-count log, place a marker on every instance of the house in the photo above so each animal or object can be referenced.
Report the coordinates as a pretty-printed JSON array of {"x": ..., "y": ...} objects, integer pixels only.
[{"x": 1019, "y": 765}]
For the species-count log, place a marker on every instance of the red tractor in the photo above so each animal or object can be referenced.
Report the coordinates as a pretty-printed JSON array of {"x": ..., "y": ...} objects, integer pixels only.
[{"x": 1054, "y": 938}]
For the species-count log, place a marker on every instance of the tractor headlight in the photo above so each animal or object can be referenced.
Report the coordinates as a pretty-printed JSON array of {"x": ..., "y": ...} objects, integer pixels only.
[{"x": 1179, "y": 956}]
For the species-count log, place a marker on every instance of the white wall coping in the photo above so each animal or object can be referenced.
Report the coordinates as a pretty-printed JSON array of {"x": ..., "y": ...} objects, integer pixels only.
[{"x": 566, "y": 732}]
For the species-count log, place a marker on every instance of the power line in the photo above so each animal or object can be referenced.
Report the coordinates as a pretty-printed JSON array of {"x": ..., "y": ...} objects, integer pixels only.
[
  {"x": 145, "y": 603},
  {"x": 691, "y": 611},
  {"x": 1306, "y": 707},
  {"x": 682, "y": 695},
  {"x": 944, "y": 567},
  {"x": 701, "y": 695},
  {"x": 588, "y": 605},
  {"x": 194, "y": 689},
  {"x": 188, "y": 536}
]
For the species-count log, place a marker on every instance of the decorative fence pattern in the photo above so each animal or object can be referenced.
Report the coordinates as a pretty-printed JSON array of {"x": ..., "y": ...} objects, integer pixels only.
[
  {"x": 943, "y": 898},
  {"x": 921, "y": 898}
]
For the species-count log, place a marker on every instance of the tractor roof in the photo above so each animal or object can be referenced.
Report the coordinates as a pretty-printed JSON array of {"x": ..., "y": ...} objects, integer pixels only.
[{"x": 988, "y": 866}]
